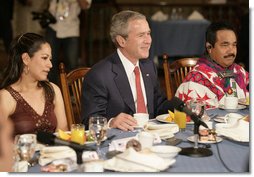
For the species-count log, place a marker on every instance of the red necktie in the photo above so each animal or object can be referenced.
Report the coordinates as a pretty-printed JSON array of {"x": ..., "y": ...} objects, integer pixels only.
[{"x": 141, "y": 107}]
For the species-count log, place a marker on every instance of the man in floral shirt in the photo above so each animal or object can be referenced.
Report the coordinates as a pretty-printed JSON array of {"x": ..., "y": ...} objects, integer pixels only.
[{"x": 216, "y": 75}]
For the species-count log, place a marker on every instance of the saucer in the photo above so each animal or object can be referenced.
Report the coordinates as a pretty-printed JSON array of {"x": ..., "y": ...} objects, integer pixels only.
[
  {"x": 218, "y": 139},
  {"x": 239, "y": 107},
  {"x": 162, "y": 118}
]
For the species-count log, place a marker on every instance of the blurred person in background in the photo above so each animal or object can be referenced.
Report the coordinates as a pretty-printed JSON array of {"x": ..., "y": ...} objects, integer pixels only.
[
  {"x": 34, "y": 103},
  {"x": 63, "y": 36},
  {"x": 23, "y": 18}
]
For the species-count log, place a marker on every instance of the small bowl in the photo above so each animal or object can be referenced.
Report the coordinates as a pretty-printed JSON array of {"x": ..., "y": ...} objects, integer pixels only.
[{"x": 165, "y": 151}]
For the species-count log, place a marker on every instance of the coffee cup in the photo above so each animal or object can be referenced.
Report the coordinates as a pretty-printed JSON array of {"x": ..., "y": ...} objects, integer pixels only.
[
  {"x": 146, "y": 139},
  {"x": 231, "y": 102},
  {"x": 141, "y": 118},
  {"x": 232, "y": 118}
]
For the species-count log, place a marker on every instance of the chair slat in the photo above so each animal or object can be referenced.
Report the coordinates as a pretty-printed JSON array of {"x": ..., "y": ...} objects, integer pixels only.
[
  {"x": 176, "y": 72},
  {"x": 71, "y": 86}
]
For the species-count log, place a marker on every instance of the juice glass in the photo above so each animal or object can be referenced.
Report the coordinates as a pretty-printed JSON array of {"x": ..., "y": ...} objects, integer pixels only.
[
  {"x": 78, "y": 133},
  {"x": 180, "y": 120}
]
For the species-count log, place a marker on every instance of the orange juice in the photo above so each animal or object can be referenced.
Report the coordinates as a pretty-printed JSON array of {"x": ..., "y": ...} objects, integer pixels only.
[
  {"x": 78, "y": 133},
  {"x": 180, "y": 119}
]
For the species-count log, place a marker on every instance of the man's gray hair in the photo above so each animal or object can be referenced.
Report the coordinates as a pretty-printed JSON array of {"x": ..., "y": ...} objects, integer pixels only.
[{"x": 120, "y": 23}]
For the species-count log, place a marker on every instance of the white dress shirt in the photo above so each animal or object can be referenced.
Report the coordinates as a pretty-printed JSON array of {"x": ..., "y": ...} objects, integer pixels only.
[{"x": 129, "y": 69}]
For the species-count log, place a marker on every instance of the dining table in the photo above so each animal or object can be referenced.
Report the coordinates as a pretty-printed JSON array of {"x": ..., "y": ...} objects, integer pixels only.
[{"x": 228, "y": 156}]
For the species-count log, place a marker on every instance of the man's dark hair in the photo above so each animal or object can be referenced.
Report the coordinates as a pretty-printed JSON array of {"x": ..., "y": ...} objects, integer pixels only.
[{"x": 214, "y": 27}]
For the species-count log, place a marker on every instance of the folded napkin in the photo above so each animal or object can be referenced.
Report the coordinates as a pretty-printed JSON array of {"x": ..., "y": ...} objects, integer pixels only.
[
  {"x": 120, "y": 144},
  {"x": 163, "y": 130},
  {"x": 51, "y": 153},
  {"x": 195, "y": 15},
  {"x": 159, "y": 16},
  {"x": 39, "y": 146},
  {"x": 133, "y": 161},
  {"x": 21, "y": 166},
  {"x": 238, "y": 132}
]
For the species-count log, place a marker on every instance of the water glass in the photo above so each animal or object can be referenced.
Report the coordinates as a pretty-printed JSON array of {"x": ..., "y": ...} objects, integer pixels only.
[
  {"x": 25, "y": 145},
  {"x": 98, "y": 129},
  {"x": 198, "y": 106}
]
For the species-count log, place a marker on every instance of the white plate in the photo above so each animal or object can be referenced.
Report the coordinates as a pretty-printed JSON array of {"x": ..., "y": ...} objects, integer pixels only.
[
  {"x": 162, "y": 118},
  {"x": 239, "y": 107},
  {"x": 218, "y": 139},
  {"x": 133, "y": 161},
  {"x": 243, "y": 102},
  {"x": 220, "y": 120},
  {"x": 87, "y": 142}
]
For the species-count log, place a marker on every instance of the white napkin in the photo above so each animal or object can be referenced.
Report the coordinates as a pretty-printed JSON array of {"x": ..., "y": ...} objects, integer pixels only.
[
  {"x": 49, "y": 154},
  {"x": 120, "y": 144},
  {"x": 163, "y": 130},
  {"x": 21, "y": 166},
  {"x": 195, "y": 15},
  {"x": 133, "y": 161},
  {"x": 159, "y": 16},
  {"x": 237, "y": 132}
]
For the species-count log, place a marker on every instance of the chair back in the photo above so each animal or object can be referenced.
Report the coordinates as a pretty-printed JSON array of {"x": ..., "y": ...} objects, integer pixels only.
[
  {"x": 71, "y": 85},
  {"x": 175, "y": 73}
]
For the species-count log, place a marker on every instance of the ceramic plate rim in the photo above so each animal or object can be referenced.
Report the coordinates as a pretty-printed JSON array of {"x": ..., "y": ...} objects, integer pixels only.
[
  {"x": 164, "y": 121},
  {"x": 87, "y": 142},
  {"x": 191, "y": 139},
  {"x": 243, "y": 103},
  {"x": 239, "y": 107},
  {"x": 117, "y": 169},
  {"x": 219, "y": 120}
]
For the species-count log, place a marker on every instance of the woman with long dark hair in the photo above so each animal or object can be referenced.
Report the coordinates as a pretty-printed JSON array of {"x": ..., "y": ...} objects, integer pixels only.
[{"x": 26, "y": 96}]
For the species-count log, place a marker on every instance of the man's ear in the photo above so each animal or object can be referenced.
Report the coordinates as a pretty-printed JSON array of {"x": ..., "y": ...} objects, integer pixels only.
[
  {"x": 25, "y": 57},
  {"x": 120, "y": 40},
  {"x": 208, "y": 45}
]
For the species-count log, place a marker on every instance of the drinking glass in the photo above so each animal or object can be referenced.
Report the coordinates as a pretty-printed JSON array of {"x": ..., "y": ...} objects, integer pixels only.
[
  {"x": 78, "y": 133},
  {"x": 98, "y": 130},
  {"x": 180, "y": 120},
  {"x": 25, "y": 147},
  {"x": 198, "y": 106}
]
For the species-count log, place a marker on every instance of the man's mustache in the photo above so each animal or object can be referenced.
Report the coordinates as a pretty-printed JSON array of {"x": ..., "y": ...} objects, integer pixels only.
[{"x": 230, "y": 55}]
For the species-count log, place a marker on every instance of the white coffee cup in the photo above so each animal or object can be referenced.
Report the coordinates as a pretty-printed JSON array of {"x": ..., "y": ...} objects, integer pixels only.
[
  {"x": 146, "y": 139},
  {"x": 232, "y": 118},
  {"x": 141, "y": 118},
  {"x": 231, "y": 102}
]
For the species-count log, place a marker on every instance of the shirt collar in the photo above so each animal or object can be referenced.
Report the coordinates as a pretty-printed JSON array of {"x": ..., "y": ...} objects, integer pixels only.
[{"x": 128, "y": 66}]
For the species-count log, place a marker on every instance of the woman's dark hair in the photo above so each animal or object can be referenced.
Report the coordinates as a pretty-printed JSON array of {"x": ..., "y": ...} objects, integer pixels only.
[
  {"x": 25, "y": 43},
  {"x": 213, "y": 28}
]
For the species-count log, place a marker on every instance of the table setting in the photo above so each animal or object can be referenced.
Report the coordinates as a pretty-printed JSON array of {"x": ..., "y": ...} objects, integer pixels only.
[{"x": 155, "y": 146}]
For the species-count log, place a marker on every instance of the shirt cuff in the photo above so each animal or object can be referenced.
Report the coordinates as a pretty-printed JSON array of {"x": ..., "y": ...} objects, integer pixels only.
[{"x": 110, "y": 121}]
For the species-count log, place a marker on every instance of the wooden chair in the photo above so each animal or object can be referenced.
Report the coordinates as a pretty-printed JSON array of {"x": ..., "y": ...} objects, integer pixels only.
[
  {"x": 175, "y": 73},
  {"x": 71, "y": 84}
]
